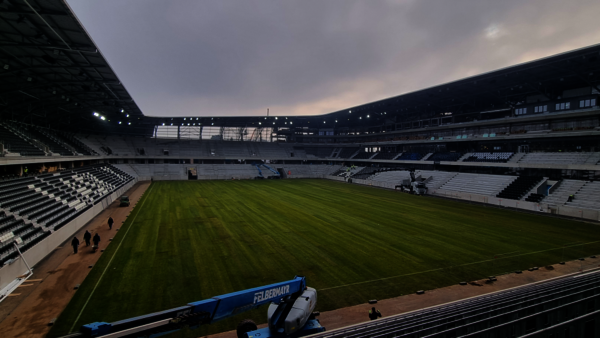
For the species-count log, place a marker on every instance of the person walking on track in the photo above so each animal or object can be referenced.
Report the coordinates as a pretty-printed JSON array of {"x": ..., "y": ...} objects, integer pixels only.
[
  {"x": 87, "y": 237},
  {"x": 96, "y": 239},
  {"x": 374, "y": 314},
  {"x": 110, "y": 223},
  {"x": 75, "y": 244}
]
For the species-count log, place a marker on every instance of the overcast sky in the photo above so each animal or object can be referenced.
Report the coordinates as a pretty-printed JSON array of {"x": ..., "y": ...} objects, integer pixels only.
[{"x": 305, "y": 57}]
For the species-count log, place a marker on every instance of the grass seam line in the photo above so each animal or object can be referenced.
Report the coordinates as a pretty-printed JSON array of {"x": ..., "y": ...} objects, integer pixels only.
[
  {"x": 452, "y": 266},
  {"x": 110, "y": 261}
]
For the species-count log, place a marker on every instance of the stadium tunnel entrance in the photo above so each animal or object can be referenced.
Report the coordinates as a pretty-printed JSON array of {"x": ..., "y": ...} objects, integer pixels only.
[{"x": 282, "y": 173}]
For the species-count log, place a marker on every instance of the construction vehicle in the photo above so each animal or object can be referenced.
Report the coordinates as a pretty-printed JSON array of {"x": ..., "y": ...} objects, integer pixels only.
[
  {"x": 414, "y": 185},
  {"x": 276, "y": 173},
  {"x": 124, "y": 201},
  {"x": 290, "y": 314}
]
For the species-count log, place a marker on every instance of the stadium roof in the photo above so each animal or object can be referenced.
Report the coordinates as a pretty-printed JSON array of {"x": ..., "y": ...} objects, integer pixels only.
[
  {"x": 54, "y": 75},
  {"x": 51, "y": 71}
]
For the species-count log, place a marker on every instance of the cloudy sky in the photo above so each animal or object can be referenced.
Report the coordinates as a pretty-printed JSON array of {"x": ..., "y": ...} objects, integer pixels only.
[{"x": 304, "y": 57}]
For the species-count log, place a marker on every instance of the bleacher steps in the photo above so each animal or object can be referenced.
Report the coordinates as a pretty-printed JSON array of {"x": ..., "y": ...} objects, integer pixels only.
[
  {"x": 593, "y": 159},
  {"x": 400, "y": 154},
  {"x": 534, "y": 189},
  {"x": 464, "y": 157},
  {"x": 516, "y": 157}
]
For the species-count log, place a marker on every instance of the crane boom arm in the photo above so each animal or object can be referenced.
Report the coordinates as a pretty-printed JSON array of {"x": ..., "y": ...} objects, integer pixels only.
[{"x": 197, "y": 313}]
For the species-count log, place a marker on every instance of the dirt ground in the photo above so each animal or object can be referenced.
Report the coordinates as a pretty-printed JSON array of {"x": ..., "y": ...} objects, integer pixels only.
[
  {"x": 30, "y": 308},
  {"x": 357, "y": 314}
]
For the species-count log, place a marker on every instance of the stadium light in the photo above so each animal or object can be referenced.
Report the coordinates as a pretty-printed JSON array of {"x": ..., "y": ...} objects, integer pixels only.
[
  {"x": 291, "y": 122},
  {"x": 171, "y": 123},
  {"x": 127, "y": 115},
  {"x": 129, "y": 123},
  {"x": 96, "y": 114},
  {"x": 122, "y": 110},
  {"x": 119, "y": 122},
  {"x": 102, "y": 118},
  {"x": 196, "y": 119},
  {"x": 184, "y": 118},
  {"x": 259, "y": 123},
  {"x": 323, "y": 121},
  {"x": 350, "y": 111},
  {"x": 163, "y": 123},
  {"x": 368, "y": 116},
  {"x": 275, "y": 117},
  {"x": 360, "y": 118}
]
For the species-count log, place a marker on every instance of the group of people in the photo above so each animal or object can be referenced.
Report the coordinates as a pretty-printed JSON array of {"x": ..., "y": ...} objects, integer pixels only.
[{"x": 87, "y": 237}]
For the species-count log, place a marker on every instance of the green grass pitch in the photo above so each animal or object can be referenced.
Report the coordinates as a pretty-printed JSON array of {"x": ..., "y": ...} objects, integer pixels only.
[{"x": 195, "y": 240}]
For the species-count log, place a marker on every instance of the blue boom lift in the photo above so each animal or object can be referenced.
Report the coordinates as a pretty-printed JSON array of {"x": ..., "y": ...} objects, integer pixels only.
[
  {"x": 260, "y": 174},
  {"x": 290, "y": 314}
]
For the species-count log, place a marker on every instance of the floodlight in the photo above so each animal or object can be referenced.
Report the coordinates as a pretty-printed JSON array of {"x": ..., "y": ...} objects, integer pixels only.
[
  {"x": 102, "y": 118},
  {"x": 127, "y": 115},
  {"x": 96, "y": 114}
]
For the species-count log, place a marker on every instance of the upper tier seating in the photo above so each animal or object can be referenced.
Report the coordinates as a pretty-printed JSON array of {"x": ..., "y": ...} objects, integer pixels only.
[
  {"x": 560, "y": 157},
  {"x": 322, "y": 152},
  {"x": 16, "y": 144},
  {"x": 489, "y": 157},
  {"x": 481, "y": 184},
  {"x": 448, "y": 157},
  {"x": 410, "y": 157},
  {"x": 363, "y": 156},
  {"x": 347, "y": 152},
  {"x": 385, "y": 156},
  {"x": 55, "y": 147}
]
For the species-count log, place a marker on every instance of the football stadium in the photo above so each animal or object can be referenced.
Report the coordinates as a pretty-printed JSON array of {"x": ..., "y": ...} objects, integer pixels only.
[{"x": 465, "y": 209}]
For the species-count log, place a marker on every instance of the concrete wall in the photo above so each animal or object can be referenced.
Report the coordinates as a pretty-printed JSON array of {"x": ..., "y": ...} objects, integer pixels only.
[{"x": 34, "y": 255}]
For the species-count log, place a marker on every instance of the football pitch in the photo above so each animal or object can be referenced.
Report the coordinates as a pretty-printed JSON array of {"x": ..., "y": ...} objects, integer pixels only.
[{"x": 187, "y": 241}]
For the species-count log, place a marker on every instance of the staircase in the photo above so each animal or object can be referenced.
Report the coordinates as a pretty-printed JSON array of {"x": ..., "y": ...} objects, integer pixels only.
[
  {"x": 464, "y": 157},
  {"x": 516, "y": 157},
  {"x": 426, "y": 157}
]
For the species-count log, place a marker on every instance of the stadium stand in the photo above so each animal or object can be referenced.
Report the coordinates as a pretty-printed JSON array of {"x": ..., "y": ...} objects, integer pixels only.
[
  {"x": 386, "y": 156},
  {"x": 391, "y": 176},
  {"x": 587, "y": 197},
  {"x": 556, "y": 158},
  {"x": 55, "y": 146},
  {"x": 561, "y": 193},
  {"x": 489, "y": 157},
  {"x": 520, "y": 187},
  {"x": 435, "y": 179},
  {"x": 347, "y": 152},
  {"x": 449, "y": 157},
  {"x": 31, "y": 208},
  {"x": 17, "y": 144},
  {"x": 481, "y": 184},
  {"x": 410, "y": 157},
  {"x": 362, "y": 155},
  {"x": 565, "y": 307},
  {"x": 322, "y": 152},
  {"x": 365, "y": 173}
]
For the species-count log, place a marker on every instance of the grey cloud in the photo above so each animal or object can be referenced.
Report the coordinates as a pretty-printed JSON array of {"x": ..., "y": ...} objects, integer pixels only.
[{"x": 188, "y": 57}]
